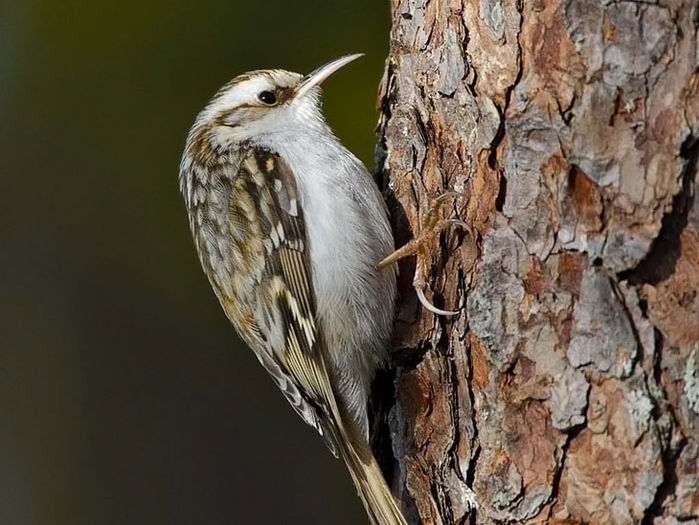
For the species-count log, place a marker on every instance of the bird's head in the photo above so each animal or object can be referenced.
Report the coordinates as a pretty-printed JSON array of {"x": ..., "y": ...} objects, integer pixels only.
[{"x": 263, "y": 102}]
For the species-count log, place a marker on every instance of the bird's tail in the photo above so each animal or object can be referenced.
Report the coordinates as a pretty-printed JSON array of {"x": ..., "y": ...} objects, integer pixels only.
[
  {"x": 351, "y": 443},
  {"x": 369, "y": 480}
]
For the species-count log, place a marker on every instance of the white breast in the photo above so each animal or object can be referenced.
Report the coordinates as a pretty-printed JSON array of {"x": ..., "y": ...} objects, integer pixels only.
[{"x": 348, "y": 233}]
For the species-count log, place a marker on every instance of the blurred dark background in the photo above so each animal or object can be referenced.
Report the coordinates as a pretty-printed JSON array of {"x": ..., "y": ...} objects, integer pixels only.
[{"x": 125, "y": 396}]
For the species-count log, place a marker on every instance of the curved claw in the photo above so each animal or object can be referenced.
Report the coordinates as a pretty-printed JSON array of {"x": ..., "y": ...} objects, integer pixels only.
[
  {"x": 461, "y": 224},
  {"x": 429, "y": 306}
]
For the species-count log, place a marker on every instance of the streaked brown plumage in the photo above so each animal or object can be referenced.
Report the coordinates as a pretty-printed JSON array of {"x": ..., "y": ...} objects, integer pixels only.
[{"x": 289, "y": 226}]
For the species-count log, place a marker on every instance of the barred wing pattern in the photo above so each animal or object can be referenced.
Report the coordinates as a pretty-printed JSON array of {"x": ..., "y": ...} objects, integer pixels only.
[{"x": 286, "y": 337}]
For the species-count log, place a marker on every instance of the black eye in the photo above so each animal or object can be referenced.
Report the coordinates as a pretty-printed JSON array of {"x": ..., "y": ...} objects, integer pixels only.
[{"x": 267, "y": 97}]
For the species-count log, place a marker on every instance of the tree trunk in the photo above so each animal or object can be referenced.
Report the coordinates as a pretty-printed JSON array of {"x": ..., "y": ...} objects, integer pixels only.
[{"x": 567, "y": 388}]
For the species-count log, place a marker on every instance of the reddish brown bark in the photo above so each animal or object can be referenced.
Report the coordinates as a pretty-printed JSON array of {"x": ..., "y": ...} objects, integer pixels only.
[{"x": 567, "y": 390}]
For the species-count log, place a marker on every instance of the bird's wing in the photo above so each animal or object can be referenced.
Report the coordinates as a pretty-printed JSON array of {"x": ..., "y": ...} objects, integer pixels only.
[
  {"x": 291, "y": 344},
  {"x": 284, "y": 331}
]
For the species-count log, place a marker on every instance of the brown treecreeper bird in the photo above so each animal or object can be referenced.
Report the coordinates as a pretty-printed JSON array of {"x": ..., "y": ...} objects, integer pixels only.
[{"x": 289, "y": 227}]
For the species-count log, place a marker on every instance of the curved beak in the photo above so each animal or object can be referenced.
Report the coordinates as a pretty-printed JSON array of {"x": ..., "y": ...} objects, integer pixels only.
[{"x": 317, "y": 76}]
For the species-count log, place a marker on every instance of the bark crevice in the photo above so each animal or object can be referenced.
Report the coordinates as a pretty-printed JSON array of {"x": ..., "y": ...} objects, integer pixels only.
[{"x": 661, "y": 259}]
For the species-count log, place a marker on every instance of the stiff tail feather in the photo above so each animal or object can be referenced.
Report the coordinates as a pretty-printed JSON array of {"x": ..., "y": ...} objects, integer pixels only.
[
  {"x": 369, "y": 480},
  {"x": 366, "y": 474}
]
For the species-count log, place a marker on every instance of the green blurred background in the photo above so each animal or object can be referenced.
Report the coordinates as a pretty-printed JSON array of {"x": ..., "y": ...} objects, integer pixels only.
[{"x": 125, "y": 397}]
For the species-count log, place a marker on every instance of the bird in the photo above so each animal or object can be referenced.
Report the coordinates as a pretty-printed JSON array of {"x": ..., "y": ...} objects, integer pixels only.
[{"x": 289, "y": 227}]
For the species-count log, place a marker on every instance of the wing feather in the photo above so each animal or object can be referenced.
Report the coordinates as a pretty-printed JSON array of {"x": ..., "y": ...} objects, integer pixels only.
[
  {"x": 286, "y": 337},
  {"x": 286, "y": 312}
]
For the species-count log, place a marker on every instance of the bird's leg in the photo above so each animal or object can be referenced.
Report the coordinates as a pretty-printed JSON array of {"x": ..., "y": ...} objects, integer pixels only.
[{"x": 430, "y": 227}]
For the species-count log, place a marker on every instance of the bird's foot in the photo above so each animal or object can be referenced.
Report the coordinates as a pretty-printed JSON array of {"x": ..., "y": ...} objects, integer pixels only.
[{"x": 430, "y": 227}]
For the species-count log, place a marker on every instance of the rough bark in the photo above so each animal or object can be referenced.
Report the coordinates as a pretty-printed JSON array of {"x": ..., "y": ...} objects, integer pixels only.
[{"x": 567, "y": 389}]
